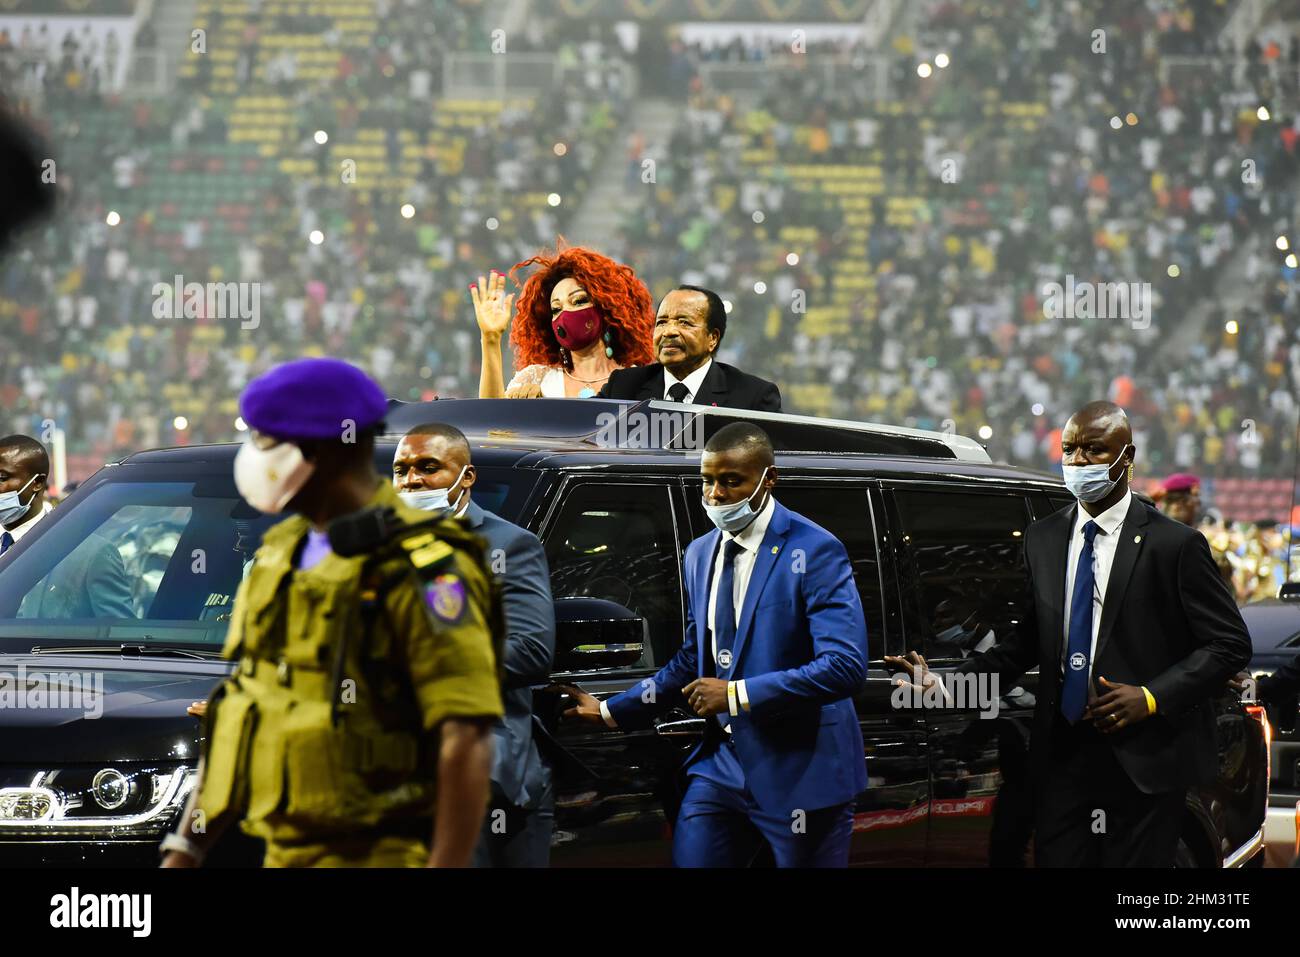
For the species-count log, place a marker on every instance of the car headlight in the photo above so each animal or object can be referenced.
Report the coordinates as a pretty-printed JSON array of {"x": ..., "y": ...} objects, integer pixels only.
[
  {"x": 27, "y": 804},
  {"x": 110, "y": 789},
  {"x": 116, "y": 801}
]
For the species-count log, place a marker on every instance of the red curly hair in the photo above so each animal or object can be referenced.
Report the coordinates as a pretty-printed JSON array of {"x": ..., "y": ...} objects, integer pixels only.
[{"x": 625, "y": 300}]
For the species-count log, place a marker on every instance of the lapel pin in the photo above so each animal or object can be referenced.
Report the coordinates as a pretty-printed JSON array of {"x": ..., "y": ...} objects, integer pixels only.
[
  {"x": 775, "y": 549},
  {"x": 1136, "y": 539}
]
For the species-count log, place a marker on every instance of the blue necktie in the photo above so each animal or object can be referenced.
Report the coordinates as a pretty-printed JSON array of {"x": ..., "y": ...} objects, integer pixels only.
[
  {"x": 6, "y": 540},
  {"x": 1074, "y": 690},
  {"x": 724, "y": 618}
]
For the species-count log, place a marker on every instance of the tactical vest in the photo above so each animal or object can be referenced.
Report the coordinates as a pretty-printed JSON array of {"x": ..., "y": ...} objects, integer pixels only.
[{"x": 318, "y": 731}]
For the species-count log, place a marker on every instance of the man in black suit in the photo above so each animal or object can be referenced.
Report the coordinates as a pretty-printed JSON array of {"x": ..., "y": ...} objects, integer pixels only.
[
  {"x": 689, "y": 328},
  {"x": 1134, "y": 633}
]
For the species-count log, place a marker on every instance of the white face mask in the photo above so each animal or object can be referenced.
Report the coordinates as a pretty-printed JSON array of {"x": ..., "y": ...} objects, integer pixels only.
[
  {"x": 1090, "y": 483},
  {"x": 269, "y": 478},
  {"x": 12, "y": 507},
  {"x": 733, "y": 518},
  {"x": 434, "y": 499}
]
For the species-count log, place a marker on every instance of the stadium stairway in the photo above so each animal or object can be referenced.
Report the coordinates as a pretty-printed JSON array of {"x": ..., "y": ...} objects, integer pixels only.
[
  {"x": 172, "y": 20},
  {"x": 1232, "y": 285},
  {"x": 609, "y": 200}
]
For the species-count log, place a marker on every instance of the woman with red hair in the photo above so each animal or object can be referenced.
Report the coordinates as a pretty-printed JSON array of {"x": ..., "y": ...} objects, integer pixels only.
[{"x": 581, "y": 315}]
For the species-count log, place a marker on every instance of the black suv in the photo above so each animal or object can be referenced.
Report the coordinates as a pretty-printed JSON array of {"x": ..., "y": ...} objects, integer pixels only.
[
  {"x": 1274, "y": 625},
  {"x": 934, "y": 531}
]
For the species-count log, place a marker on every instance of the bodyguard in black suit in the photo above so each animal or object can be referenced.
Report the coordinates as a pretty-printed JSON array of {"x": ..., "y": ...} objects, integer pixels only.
[
  {"x": 1134, "y": 633},
  {"x": 689, "y": 328}
]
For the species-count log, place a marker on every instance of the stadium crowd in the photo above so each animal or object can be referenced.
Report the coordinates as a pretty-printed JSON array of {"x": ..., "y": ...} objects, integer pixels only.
[
  {"x": 225, "y": 181},
  {"x": 925, "y": 227},
  {"x": 949, "y": 322}
]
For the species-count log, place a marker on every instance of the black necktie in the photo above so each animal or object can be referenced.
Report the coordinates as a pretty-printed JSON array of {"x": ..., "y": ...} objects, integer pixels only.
[{"x": 678, "y": 392}]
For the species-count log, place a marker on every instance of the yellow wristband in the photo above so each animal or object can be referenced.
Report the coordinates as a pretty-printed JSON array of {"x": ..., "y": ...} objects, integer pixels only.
[
  {"x": 732, "y": 704},
  {"x": 1151, "y": 700}
]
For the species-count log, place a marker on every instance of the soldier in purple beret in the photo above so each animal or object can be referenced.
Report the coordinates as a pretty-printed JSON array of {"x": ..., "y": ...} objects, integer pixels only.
[
  {"x": 372, "y": 675},
  {"x": 1181, "y": 498},
  {"x": 299, "y": 414}
]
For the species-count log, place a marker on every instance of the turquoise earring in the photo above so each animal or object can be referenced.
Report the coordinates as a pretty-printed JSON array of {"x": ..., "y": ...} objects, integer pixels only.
[{"x": 609, "y": 350}]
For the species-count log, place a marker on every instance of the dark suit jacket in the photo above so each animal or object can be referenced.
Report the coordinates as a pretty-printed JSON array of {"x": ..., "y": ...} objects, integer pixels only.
[
  {"x": 517, "y": 558},
  {"x": 724, "y": 386},
  {"x": 1168, "y": 622},
  {"x": 90, "y": 582}
]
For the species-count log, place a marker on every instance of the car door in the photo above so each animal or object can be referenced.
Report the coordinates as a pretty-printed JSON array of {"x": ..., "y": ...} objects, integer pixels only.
[
  {"x": 889, "y": 816},
  {"x": 962, "y": 589},
  {"x": 617, "y": 540}
]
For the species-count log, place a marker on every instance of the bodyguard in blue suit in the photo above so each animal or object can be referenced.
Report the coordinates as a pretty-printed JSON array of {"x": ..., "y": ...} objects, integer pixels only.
[
  {"x": 432, "y": 470},
  {"x": 774, "y": 650}
]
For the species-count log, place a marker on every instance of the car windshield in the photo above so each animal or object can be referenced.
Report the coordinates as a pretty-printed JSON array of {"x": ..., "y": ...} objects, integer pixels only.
[
  {"x": 134, "y": 562},
  {"x": 1273, "y": 625},
  {"x": 146, "y": 562}
]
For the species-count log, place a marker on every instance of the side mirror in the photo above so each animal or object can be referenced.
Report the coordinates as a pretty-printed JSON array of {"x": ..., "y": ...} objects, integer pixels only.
[{"x": 592, "y": 634}]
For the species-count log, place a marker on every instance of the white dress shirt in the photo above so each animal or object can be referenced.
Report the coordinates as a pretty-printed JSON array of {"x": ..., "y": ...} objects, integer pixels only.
[
  {"x": 749, "y": 539},
  {"x": 26, "y": 526},
  {"x": 1110, "y": 524},
  {"x": 692, "y": 381}
]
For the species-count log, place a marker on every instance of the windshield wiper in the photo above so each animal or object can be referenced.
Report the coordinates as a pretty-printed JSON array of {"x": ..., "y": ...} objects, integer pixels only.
[{"x": 170, "y": 651}]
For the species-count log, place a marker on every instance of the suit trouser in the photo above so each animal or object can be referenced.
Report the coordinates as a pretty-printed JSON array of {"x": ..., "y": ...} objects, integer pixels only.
[
  {"x": 515, "y": 836},
  {"x": 1089, "y": 813},
  {"x": 721, "y": 825}
]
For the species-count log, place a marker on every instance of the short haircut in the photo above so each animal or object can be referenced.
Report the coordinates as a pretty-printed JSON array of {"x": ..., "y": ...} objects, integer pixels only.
[
  {"x": 29, "y": 452},
  {"x": 1107, "y": 412},
  {"x": 745, "y": 437},
  {"x": 717, "y": 315},
  {"x": 452, "y": 435}
]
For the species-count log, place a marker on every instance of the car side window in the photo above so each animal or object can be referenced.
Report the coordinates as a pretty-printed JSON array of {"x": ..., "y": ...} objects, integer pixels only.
[
  {"x": 843, "y": 510},
  {"x": 1058, "y": 502},
  {"x": 961, "y": 570},
  {"x": 618, "y": 542}
]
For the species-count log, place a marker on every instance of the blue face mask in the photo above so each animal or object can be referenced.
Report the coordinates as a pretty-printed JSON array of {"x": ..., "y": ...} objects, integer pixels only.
[
  {"x": 733, "y": 518},
  {"x": 1090, "y": 483},
  {"x": 434, "y": 499},
  {"x": 958, "y": 634},
  {"x": 12, "y": 507}
]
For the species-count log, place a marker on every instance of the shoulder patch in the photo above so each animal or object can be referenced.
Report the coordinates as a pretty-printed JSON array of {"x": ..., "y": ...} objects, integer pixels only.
[
  {"x": 426, "y": 551},
  {"x": 445, "y": 596}
]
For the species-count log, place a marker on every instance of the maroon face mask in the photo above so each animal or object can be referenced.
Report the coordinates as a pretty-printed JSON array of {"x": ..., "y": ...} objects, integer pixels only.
[{"x": 579, "y": 328}]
